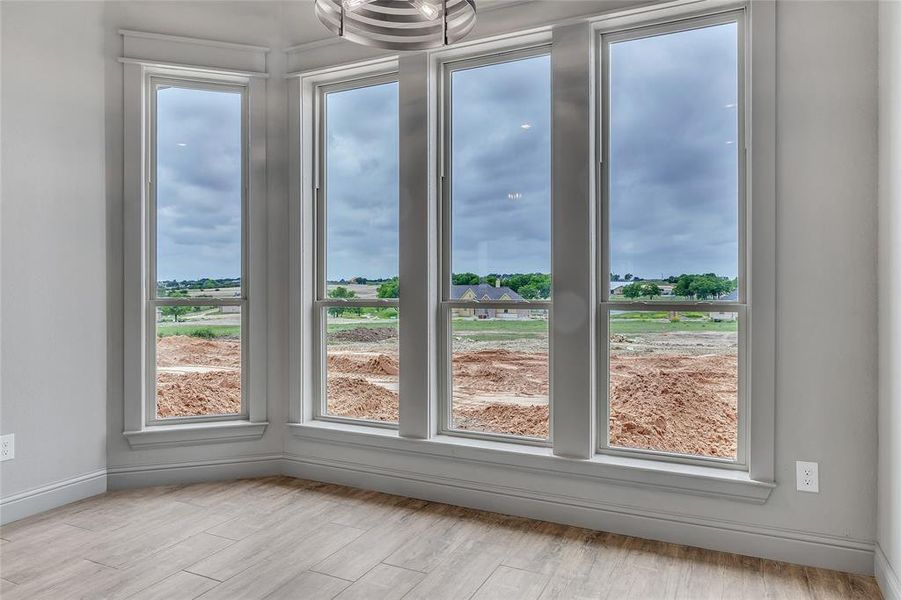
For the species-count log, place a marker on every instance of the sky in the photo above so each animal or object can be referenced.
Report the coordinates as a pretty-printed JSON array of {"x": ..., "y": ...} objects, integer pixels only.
[
  {"x": 673, "y": 168},
  {"x": 198, "y": 184}
]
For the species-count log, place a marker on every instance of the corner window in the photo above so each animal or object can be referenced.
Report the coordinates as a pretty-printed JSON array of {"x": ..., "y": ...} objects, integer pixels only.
[
  {"x": 674, "y": 276},
  {"x": 496, "y": 282},
  {"x": 196, "y": 250},
  {"x": 357, "y": 216}
]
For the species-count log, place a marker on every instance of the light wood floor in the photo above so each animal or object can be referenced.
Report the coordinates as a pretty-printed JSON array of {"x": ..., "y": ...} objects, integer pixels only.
[{"x": 286, "y": 538}]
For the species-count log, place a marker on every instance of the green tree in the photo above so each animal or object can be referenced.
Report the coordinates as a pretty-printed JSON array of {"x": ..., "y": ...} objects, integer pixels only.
[
  {"x": 389, "y": 289},
  {"x": 633, "y": 290},
  {"x": 465, "y": 279},
  {"x": 342, "y": 292},
  {"x": 651, "y": 290},
  {"x": 628, "y": 277}
]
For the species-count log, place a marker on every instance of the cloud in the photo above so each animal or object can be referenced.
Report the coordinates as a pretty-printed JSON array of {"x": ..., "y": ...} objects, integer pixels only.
[
  {"x": 198, "y": 184},
  {"x": 673, "y": 168}
]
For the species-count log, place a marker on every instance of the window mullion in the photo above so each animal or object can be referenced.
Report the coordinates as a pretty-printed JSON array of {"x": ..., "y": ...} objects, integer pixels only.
[
  {"x": 573, "y": 324},
  {"x": 418, "y": 250}
]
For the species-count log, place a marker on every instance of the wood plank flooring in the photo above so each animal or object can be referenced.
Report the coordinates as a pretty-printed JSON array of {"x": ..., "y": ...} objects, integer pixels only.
[{"x": 284, "y": 538}]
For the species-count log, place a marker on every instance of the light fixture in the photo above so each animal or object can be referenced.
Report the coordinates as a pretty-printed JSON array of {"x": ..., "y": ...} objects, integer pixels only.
[
  {"x": 526, "y": 126},
  {"x": 514, "y": 196},
  {"x": 398, "y": 24}
]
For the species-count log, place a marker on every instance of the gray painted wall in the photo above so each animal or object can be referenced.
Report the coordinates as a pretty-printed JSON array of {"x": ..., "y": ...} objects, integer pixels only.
[
  {"x": 54, "y": 319},
  {"x": 889, "y": 519}
]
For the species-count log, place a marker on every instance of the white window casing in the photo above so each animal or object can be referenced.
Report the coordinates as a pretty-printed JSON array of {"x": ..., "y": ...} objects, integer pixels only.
[{"x": 152, "y": 60}]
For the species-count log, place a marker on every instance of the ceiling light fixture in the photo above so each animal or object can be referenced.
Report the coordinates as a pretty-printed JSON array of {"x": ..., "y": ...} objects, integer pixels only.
[{"x": 398, "y": 24}]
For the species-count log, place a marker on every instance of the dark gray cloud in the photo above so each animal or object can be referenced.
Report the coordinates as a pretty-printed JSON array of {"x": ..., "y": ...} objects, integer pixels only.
[
  {"x": 673, "y": 160},
  {"x": 362, "y": 182},
  {"x": 673, "y": 168},
  {"x": 198, "y": 184}
]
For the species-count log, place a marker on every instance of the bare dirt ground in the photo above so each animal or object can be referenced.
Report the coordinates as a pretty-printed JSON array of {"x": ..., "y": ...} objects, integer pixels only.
[
  {"x": 197, "y": 376},
  {"x": 674, "y": 392}
]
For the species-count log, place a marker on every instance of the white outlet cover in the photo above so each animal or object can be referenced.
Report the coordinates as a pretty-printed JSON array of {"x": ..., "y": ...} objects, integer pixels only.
[
  {"x": 7, "y": 447},
  {"x": 808, "y": 476}
]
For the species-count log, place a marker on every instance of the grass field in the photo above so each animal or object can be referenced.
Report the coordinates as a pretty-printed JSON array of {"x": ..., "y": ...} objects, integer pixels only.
[{"x": 194, "y": 330}]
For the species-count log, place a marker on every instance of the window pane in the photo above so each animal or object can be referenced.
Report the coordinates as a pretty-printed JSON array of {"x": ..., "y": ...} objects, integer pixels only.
[
  {"x": 501, "y": 177},
  {"x": 674, "y": 382},
  {"x": 198, "y": 188},
  {"x": 674, "y": 174},
  {"x": 362, "y": 363},
  {"x": 198, "y": 361},
  {"x": 500, "y": 380},
  {"x": 361, "y": 157}
]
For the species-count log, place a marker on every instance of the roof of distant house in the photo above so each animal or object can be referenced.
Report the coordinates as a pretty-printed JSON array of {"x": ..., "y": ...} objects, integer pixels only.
[{"x": 482, "y": 290}]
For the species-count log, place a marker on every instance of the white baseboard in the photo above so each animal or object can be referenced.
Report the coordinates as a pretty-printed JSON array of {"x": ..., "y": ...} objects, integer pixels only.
[
  {"x": 887, "y": 576},
  {"x": 805, "y": 548},
  {"x": 31, "y": 502},
  {"x": 131, "y": 476}
]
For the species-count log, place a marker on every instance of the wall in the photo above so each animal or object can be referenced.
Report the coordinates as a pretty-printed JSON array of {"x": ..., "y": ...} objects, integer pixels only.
[
  {"x": 53, "y": 373},
  {"x": 256, "y": 23},
  {"x": 888, "y": 557}
]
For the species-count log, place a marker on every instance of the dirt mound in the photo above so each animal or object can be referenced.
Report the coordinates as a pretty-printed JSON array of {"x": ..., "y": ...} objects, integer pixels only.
[
  {"x": 532, "y": 421},
  {"x": 356, "y": 397},
  {"x": 380, "y": 364},
  {"x": 500, "y": 371},
  {"x": 685, "y": 404},
  {"x": 180, "y": 350},
  {"x": 363, "y": 334},
  {"x": 186, "y": 395}
]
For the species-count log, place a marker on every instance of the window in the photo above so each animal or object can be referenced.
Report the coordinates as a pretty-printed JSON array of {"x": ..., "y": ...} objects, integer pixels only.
[
  {"x": 496, "y": 280},
  {"x": 358, "y": 283},
  {"x": 673, "y": 287},
  {"x": 196, "y": 242},
  {"x": 561, "y": 218}
]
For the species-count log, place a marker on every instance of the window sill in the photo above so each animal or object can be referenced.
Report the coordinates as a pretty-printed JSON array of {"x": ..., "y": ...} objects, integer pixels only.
[
  {"x": 219, "y": 432},
  {"x": 616, "y": 470}
]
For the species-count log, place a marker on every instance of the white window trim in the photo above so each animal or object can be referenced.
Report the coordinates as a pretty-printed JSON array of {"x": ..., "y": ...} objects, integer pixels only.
[
  {"x": 149, "y": 58},
  {"x": 607, "y": 36},
  {"x": 574, "y": 52}
]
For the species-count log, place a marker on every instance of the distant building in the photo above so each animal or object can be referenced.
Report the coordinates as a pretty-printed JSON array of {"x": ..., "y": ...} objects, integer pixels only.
[
  {"x": 726, "y": 316},
  {"x": 483, "y": 292}
]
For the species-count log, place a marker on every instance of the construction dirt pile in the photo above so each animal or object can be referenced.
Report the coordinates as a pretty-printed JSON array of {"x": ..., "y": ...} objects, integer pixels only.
[
  {"x": 363, "y": 334},
  {"x": 190, "y": 394},
  {"x": 500, "y": 371},
  {"x": 684, "y": 404},
  {"x": 353, "y": 362},
  {"x": 671, "y": 402},
  {"x": 178, "y": 350}
]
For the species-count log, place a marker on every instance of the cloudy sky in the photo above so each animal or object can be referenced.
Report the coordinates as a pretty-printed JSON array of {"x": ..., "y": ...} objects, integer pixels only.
[
  {"x": 198, "y": 184},
  {"x": 673, "y": 203},
  {"x": 673, "y": 158}
]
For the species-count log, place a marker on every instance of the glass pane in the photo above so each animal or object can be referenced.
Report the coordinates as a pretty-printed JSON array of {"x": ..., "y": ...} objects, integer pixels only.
[
  {"x": 501, "y": 179},
  {"x": 362, "y": 363},
  {"x": 500, "y": 380},
  {"x": 674, "y": 382},
  {"x": 361, "y": 157},
  {"x": 198, "y": 361},
  {"x": 674, "y": 171},
  {"x": 198, "y": 189}
]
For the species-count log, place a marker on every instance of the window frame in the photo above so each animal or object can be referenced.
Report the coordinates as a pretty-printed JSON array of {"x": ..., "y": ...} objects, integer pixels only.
[
  {"x": 482, "y": 57},
  {"x": 190, "y": 61},
  {"x": 152, "y": 301},
  {"x": 321, "y": 301},
  {"x": 576, "y": 155},
  {"x": 605, "y": 38}
]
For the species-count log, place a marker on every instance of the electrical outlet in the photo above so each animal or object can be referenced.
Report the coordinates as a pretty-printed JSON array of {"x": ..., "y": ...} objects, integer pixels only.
[
  {"x": 808, "y": 476},
  {"x": 7, "y": 447}
]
